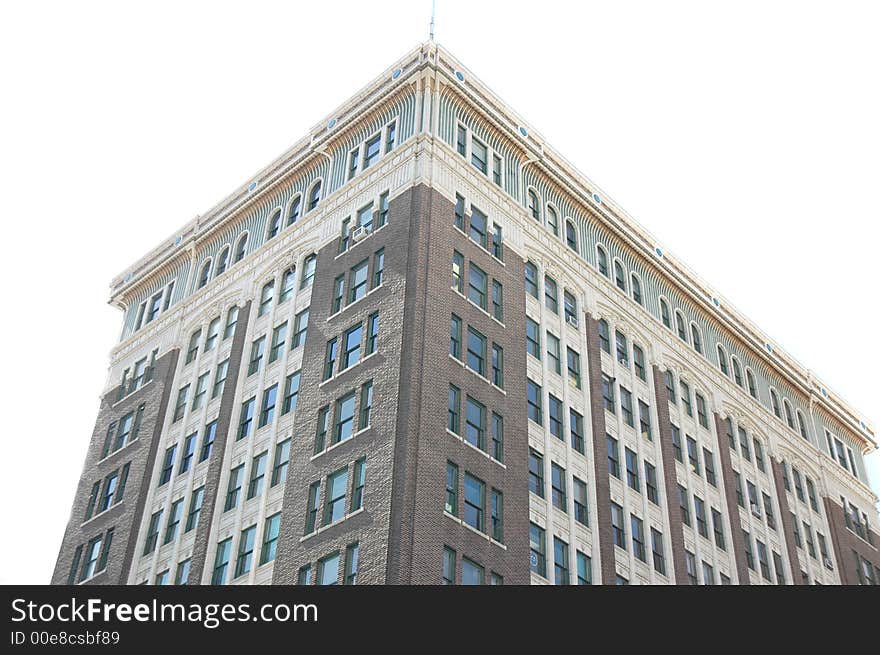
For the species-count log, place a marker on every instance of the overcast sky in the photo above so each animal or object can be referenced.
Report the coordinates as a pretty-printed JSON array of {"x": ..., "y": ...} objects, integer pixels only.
[{"x": 744, "y": 136}]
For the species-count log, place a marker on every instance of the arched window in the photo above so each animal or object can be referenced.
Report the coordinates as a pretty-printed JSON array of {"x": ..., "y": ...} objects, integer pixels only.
[
  {"x": 789, "y": 419},
  {"x": 222, "y": 262},
  {"x": 534, "y": 206},
  {"x": 274, "y": 225},
  {"x": 553, "y": 220},
  {"x": 308, "y": 272},
  {"x": 697, "y": 339},
  {"x": 750, "y": 380},
  {"x": 679, "y": 324},
  {"x": 737, "y": 371},
  {"x": 619, "y": 276},
  {"x": 602, "y": 261},
  {"x": 665, "y": 316},
  {"x": 722, "y": 360},
  {"x": 802, "y": 425},
  {"x": 571, "y": 238},
  {"x": 636, "y": 287},
  {"x": 314, "y": 195},
  {"x": 205, "y": 275},
  {"x": 293, "y": 212},
  {"x": 774, "y": 402},
  {"x": 241, "y": 248}
]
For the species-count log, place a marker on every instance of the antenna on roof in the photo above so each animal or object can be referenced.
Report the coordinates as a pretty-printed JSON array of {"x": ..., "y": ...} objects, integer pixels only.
[{"x": 433, "y": 9}]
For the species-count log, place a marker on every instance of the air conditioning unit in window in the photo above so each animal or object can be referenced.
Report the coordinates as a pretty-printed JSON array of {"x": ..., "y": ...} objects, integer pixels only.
[
  {"x": 623, "y": 361},
  {"x": 359, "y": 233},
  {"x": 571, "y": 320},
  {"x": 828, "y": 564},
  {"x": 756, "y": 510}
]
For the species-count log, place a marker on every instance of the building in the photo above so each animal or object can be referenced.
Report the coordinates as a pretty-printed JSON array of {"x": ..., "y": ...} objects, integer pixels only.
[{"x": 420, "y": 347}]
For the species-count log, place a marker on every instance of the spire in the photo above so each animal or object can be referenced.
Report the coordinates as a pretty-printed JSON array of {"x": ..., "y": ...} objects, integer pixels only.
[{"x": 431, "y": 29}]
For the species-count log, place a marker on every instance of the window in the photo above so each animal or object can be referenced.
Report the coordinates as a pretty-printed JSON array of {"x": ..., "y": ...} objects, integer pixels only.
[
  {"x": 475, "y": 423},
  {"x": 366, "y": 404},
  {"x": 613, "y": 456},
  {"x": 167, "y": 465},
  {"x": 695, "y": 336},
  {"x": 314, "y": 196},
  {"x": 537, "y": 550},
  {"x": 195, "y": 508},
  {"x": 584, "y": 569},
  {"x": 802, "y": 426},
  {"x": 555, "y": 414},
  {"x": 709, "y": 465},
  {"x": 258, "y": 475},
  {"x": 314, "y": 502},
  {"x": 788, "y": 416},
  {"x": 604, "y": 336},
  {"x": 550, "y": 294},
  {"x": 686, "y": 397},
  {"x": 458, "y": 271},
  {"x": 497, "y": 516},
  {"x": 691, "y": 567},
  {"x": 271, "y": 530},
  {"x": 619, "y": 276},
  {"x": 455, "y": 337},
  {"x": 774, "y": 402},
  {"x": 300, "y": 324},
  {"x": 344, "y": 418},
  {"x": 454, "y": 409},
  {"x": 448, "y": 566},
  {"x": 737, "y": 371},
  {"x": 658, "y": 558},
  {"x": 279, "y": 339},
  {"x": 233, "y": 489},
  {"x": 497, "y": 301},
  {"x": 497, "y": 437},
  {"x": 461, "y": 140},
  {"x": 479, "y": 230},
  {"x": 477, "y": 286},
  {"x": 479, "y": 156},
  {"x": 281, "y": 463},
  {"x": 718, "y": 529},
  {"x": 700, "y": 515},
  {"x": 231, "y": 321},
  {"x": 476, "y": 351},
  {"x": 576, "y": 429},
  {"x": 679, "y": 323},
  {"x": 560, "y": 561},
  {"x": 189, "y": 449},
  {"x": 152, "y": 532},
  {"x": 744, "y": 444},
  {"x": 602, "y": 261},
  {"x": 639, "y": 361},
  {"x": 257, "y": 348},
  {"x": 626, "y": 406},
  {"x": 531, "y": 283},
  {"x": 193, "y": 349},
  {"x": 621, "y": 347},
  {"x": 637, "y": 528},
  {"x": 553, "y": 354},
  {"x": 293, "y": 212},
  {"x": 304, "y": 575},
  {"x": 451, "y": 488},
  {"x": 352, "y": 347},
  {"x": 328, "y": 570},
  {"x": 330, "y": 354},
  {"x": 208, "y": 441},
  {"x": 308, "y": 272},
  {"x": 474, "y": 502},
  {"x": 205, "y": 275},
  {"x": 221, "y": 562},
  {"x": 536, "y": 473},
  {"x": 759, "y": 455},
  {"x": 358, "y": 282},
  {"x": 684, "y": 505},
  {"x": 571, "y": 239},
  {"x": 378, "y": 267},
  {"x": 632, "y": 469},
  {"x": 220, "y": 378},
  {"x": 247, "y": 418},
  {"x": 664, "y": 314},
  {"x": 533, "y": 338},
  {"x": 763, "y": 562},
  {"x": 291, "y": 392},
  {"x": 266, "y": 296},
  {"x": 651, "y": 483},
  {"x": 241, "y": 248},
  {"x": 617, "y": 528},
  {"x": 676, "y": 442},
  {"x": 273, "y": 225},
  {"x": 750, "y": 379},
  {"x": 608, "y": 394},
  {"x": 534, "y": 206},
  {"x": 180, "y": 406},
  {"x": 358, "y": 482},
  {"x": 579, "y": 493},
  {"x": 645, "y": 420},
  {"x": 245, "y": 551},
  {"x": 693, "y": 455},
  {"x": 768, "y": 510},
  {"x": 574, "y": 367},
  {"x": 497, "y": 242},
  {"x": 181, "y": 577},
  {"x": 213, "y": 334},
  {"x": 557, "y": 487},
  {"x": 534, "y": 401},
  {"x": 496, "y": 169},
  {"x": 497, "y": 366},
  {"x": 372, "y": 332},
  {"x": 337, "y": 486},
  {"x": 636, "y": 287}
]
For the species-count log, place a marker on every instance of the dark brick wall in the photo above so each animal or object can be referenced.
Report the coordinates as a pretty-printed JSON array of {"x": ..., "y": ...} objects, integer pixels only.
[
  {"x": 737, "y": 541},
  {"x": 215, "y": 467},
  {"x": 787, "y": 527},
  {"x": 846, "y": 542},
  {"x": 420, "y": 529},
  {"x": 670, "y": 479},
  {"x": 602, "y": 530},
  {"x": 124, "y": 517}
]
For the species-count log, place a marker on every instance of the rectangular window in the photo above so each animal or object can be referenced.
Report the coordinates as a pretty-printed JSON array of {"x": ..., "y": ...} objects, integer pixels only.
[
  {"x": 534, "y": 400},
  {"x": 639, "y": 361},
  {"x": 458, "y": 220},
  {"x": 300, "y": 325},
  {"x": 478, "y": 285},
  {"x": 366, "y": 404},
  {"x": 330, "y": 354},
  {"x": 357, "y": 485},
  {"x": 657, "y": 555},
  {"x": 622, "y": 348},
  {"x": 709, "y": 465},
  {"x": 256, "y": 359},
  {"x": 246, "y": 419},
  {"x": 604, "y": 338},
  {"x": 497, "y": 301},
  {"x": 475, "y": 423},
  {"x": 538, "y": 550},
  {"x": 651, "y": 482},
  {"x": 291, "y": 392},
  {"x": 281, "y": 462},
  {"x": 560, "y": 561},
  {"x": 691, "y": 567},
  {"x": 637, "y": 529},
  {"x": 479, "y": 230},
  {"x": 351, "y": 564},
  {"x": 686, "y": 397},
  {"x": 167, "y": 465},
  {"x": 576, "y": 428},
  {"x": 579, "y": 494},
  {"x": 448, "y": 566},
  {"x": 352, "y": 347},
  {"x": 497, "y": 516},
  {"x": 608, "y": 394},
  {"x": 497, "y": 366},
  {"x": 536, "y": 473},
  {"x": 266, "y": 297},
  {"x": 221, "y": 562},
  {"x": 453, "y": 421},
  {"x": 684, "y": 505},
  {"x": 496, "y": 169},
  {"x": 554, "y": 412},
  {"x": 676, "y": 442},
  {"x": 626, "y": 406},
  {"x": 557, "y": 487},
  {"x": 180, "y": 405},
  {"x": 584, "y": 569},
  {"x": 533, "y": 338},
  {"x": 220, "y": 378},
  {"x": 617, "y": 528},
  {"x": 279, "y": 339},
  {"x": 245, "y": 551},
  {"x": 613, "y": 456},
  {"x": 551, "y": 300},
  {"x": 357, "y": 285},
  {"x": 195, "y": 508},
  {"x": 632, "y": 469},
  {"x": 344, "y": 427},
  {"x": 574, "y": 367},
  {"x": 314, "y": 502},
  {"x": 645, "y": 420},
  {"x": 258, "y": 475},
  {"x": 458, "y": 271},
  {"x": 451, "y": 488},
  {"x": 474, "y": 502},
  {"x": 271, "y": 530},
  {"x": 569, "y": 304},
  {"x": 700, "y": 514},
  {"x": 193, "y": 348},
  {"x": 479, "y": 156},
  {"x": 531, "y": 282},
  {"x": 718, "y": 529},
  {"x": 337, "y": 486},
  {"x": 371, "y": 151},
  {"x": 372, "y": 333},
  {"x": 233, "y": 488},
  {"x": 153, "y": 532},
  {"x": 231, "y": 321},
  {"x": 701, "y": 410},
  {"x": 201, "y": 391},
  {"x": 553, "y": 354},
  {"x": 693, "y": 455},
  {"x": 267, "y": 411},
  {"x": 497, "y": 437}
]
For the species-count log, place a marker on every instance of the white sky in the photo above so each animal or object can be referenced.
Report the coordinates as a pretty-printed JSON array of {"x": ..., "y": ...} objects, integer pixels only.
[{"x": 746, "y": 137}]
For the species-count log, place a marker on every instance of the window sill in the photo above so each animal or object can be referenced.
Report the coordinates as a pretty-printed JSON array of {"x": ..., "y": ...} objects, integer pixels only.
[
  {"x": 92, "y": 577},
  {"x": 355, "y": 302},
  {"x": 116, "y": 452},
  {"x": 464, "y": 297},
  {"x": 354, "y": 366},
  {"x": 131, "y": 393},
  {"x": 339, "y": 443},
  {"x": 474, "y": 530},
  {"x": 473, "y": 372},
  {"x": 99, "y": 514},
  {"x": 324, "y": 528},
  {"x": 475, "y": 448}
]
